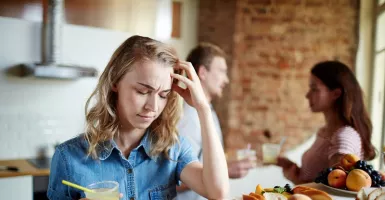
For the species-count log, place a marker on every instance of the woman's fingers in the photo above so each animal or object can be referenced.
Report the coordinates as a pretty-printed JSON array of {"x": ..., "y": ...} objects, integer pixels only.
[
  {"x": 281, "y": 161},
  {"x": 193, "y": 94},
  {"x": 184, "y": 80},
  {"x": 178, "y": 89},
  {"x": 186, "y": 66},
  {"x": 284, "y": 162}
]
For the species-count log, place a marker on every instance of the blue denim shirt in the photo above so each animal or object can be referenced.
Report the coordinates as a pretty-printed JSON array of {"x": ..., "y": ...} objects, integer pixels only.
[{"x": 139, "y": 177}]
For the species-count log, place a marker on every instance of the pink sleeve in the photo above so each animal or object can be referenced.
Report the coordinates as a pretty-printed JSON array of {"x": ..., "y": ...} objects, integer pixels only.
[{"x": 346, "y": 141}]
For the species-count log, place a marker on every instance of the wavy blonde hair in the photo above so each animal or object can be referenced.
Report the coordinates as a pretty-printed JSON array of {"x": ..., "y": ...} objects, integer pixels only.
[{"x": 102, "y": 122}]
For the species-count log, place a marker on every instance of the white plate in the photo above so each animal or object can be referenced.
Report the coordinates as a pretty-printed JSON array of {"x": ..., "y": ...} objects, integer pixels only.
[{"x": 340, "y": 190}]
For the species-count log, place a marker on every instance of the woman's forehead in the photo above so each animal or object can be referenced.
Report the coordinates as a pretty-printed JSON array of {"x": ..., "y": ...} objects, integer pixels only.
[
  {"x": 154, "y": 73},
  {"x": 314, "y": 80}
]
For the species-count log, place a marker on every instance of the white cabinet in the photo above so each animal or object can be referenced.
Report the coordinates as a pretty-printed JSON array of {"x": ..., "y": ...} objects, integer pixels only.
[{"x": 16, "y": 188}]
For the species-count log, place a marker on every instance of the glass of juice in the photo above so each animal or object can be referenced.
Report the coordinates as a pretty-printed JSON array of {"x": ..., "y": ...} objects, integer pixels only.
[
  {"x": 105, "y": 190},
  {"x": 270, "y": 153}
]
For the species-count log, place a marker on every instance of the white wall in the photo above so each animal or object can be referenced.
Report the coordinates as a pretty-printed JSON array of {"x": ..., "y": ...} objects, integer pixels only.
[
  {"x": 189, "y": 28},
  {"x": 36, "y": 112}
]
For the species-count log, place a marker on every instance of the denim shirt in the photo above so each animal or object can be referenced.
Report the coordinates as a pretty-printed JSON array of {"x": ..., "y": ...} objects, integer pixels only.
[{"x": 139, "y": 177}]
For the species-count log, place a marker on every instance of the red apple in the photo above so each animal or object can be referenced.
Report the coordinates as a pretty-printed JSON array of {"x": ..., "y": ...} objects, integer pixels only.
[{"x": 337, "y": 178}]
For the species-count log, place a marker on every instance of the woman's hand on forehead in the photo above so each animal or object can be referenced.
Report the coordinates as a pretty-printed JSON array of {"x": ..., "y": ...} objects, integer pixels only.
[{"x": 193, "y": 94}]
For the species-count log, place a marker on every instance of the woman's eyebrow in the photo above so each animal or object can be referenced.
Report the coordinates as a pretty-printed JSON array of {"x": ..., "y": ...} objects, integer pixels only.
[{"x": 152, "y": 88}]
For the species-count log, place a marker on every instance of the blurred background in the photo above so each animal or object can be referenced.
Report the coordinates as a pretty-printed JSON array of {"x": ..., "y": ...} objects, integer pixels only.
[{"x": 271, "y": 46}]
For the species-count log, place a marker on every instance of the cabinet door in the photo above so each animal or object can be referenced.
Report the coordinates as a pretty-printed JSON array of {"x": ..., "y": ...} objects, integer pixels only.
[
  {"x": 133, "y": 16},
  {"x": 16, "y": 188}
]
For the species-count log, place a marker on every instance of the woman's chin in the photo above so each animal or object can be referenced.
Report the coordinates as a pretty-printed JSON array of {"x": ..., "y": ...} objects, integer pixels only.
[
  {"x": 315, "y": 110},
  {"x": 142, "y": 124}
]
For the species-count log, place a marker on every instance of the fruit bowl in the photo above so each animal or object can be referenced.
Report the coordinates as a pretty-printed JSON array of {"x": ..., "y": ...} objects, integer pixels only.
[
  {"x": 350, "y": 176},
  {"x": 341, "y": 191}
]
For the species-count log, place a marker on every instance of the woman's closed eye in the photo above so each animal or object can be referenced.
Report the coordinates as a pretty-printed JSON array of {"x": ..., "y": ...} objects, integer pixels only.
[
  {"x": 142, "y": 92},
  {"x": 145, "y": 92},
  {"x": 164, "y": 95}
]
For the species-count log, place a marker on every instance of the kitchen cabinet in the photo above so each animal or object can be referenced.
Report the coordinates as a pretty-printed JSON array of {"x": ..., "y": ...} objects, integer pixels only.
[
  {"x": 20, "y": 187},
  {"x": 24, "y": 183},
  {"x": 131, "y": 16}
]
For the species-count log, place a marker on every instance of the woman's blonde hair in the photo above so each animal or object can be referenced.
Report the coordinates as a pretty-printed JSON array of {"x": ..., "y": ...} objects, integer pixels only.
[{"x": 102, "y": 122}]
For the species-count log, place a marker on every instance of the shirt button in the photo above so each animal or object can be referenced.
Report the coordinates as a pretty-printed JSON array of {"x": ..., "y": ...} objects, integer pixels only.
[
  {"x": 132, "y": 198},
  {"x": 129, "y": 171}
]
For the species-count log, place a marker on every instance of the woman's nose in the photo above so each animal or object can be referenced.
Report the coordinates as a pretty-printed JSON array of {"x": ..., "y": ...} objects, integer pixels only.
[{"x": 152, "y": 103}]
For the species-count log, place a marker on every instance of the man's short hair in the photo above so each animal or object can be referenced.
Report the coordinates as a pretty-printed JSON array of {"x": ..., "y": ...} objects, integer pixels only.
[{"x": 203, "y": 55}]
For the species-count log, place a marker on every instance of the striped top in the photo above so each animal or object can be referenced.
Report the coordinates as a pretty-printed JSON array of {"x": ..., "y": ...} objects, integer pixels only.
[{"x": 345, "y": 140}]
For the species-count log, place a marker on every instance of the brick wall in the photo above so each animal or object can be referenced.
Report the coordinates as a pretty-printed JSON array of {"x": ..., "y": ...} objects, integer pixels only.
[{"x": 271, "y": 46}]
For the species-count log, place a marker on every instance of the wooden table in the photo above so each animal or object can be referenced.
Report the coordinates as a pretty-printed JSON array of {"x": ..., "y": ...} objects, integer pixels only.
[{"x": 25, "y": 169}]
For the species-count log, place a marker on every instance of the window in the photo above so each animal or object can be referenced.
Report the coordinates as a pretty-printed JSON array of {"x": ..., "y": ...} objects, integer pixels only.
[
  {"x": 379, "y": 77},
  {"x": 380, "y": 33}
]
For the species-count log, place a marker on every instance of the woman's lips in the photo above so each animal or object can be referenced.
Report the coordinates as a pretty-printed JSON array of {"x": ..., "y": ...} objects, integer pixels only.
[{"x": 146, "y": 117}]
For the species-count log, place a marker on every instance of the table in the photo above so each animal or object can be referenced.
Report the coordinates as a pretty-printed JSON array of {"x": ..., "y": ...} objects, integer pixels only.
[
  {"x": 25, "y": 168},
  {"x": 334, "y": 194}
]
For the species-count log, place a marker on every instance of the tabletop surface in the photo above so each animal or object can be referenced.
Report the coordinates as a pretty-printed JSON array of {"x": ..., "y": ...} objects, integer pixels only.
[{"x": 25, "y": 169}]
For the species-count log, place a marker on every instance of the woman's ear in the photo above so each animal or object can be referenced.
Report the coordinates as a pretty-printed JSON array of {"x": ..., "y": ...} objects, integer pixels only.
[
  {"x": 114, "y": 88},
  {"x": 337, "y": 93}
]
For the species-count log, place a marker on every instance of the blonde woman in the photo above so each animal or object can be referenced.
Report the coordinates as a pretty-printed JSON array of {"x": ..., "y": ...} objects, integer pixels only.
[{"x": 131, "y": 135}]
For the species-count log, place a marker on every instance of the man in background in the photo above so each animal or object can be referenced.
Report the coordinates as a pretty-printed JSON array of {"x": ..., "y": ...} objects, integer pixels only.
[{"x": 209, "y": 62}]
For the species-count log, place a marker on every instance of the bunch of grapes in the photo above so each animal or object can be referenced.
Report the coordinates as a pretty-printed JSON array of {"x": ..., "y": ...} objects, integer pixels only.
[
  {"x": 376, "y": 177},
  {"x": 323, "y": 176},
  {"x": 288, "y": 189}
]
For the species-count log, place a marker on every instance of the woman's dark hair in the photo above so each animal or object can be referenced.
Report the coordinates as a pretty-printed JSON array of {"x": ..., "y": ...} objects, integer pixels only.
[{"x": 350, "y": 105}]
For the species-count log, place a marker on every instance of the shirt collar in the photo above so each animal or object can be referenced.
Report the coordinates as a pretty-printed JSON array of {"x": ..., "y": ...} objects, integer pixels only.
[{"x": 108, "y": 146}]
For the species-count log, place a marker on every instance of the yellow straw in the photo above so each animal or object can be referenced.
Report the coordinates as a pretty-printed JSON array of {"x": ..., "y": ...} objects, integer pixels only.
[{"x": 77, "y": 186}]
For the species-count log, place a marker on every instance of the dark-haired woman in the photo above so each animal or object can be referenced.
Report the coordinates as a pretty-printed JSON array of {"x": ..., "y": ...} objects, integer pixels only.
[{"x": 336, "y": 93}]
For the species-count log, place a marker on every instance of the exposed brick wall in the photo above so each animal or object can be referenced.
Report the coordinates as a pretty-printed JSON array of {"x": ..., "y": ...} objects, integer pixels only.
[
  {"x": 272, "y": 44},
  {"x": 217, "y": 25}
]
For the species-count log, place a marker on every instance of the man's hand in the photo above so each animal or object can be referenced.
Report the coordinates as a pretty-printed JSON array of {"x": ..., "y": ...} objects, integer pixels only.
[{"x": 240, "y": 168}]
